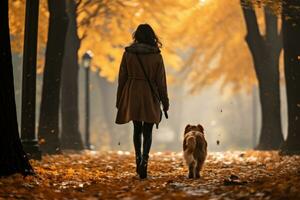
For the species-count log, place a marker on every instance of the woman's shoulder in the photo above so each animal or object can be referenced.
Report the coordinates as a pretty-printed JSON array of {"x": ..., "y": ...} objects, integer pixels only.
[{"x": 141, "y": 48}]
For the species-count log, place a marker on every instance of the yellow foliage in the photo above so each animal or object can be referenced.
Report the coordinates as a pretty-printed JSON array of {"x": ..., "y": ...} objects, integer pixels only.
[
  {"x": 203, "y": 41},
  {"x": 109, "y": 31},
  {"x": 214, "y": 33}
]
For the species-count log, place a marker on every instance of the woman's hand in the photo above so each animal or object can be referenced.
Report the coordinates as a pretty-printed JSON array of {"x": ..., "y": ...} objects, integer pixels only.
[
  {"x": 166, "y": 114},
  {"x": 165, "y": 107}
]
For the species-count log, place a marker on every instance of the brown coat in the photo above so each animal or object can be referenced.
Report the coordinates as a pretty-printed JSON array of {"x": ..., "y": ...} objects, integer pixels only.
[{"x": 135, "y": 100}]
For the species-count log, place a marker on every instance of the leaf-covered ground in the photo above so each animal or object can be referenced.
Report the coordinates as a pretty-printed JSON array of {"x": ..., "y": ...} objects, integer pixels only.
[{"x": 111, "y": 175}]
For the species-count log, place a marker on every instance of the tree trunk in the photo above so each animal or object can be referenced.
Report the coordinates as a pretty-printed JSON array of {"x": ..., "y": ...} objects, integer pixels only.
[
  {"x": 12, "y": 157},
  {"x": 265, "y": 51},
  {"x": 70, "y": 136},
  {"x": 49, "y": 116},
  {"x": 291, "y": 45}
]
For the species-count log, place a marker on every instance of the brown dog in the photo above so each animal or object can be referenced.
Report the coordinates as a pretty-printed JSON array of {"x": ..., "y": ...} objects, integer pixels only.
[{"x": 194, "y": 149}]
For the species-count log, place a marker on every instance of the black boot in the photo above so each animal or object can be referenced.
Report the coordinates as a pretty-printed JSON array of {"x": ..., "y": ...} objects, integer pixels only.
[
  {"x": 143, "y": 168},
  {"x": 137, "y": 141},
  {"x": 147, "y": 135},
  {"x": 138, "y": 159}
]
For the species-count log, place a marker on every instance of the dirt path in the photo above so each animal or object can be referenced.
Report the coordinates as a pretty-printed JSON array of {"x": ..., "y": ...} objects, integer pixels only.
[{"x": 111, "y": 175}]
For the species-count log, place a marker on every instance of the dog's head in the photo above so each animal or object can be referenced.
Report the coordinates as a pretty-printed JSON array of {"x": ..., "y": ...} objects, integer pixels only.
[{"x": 189, "y": 128}]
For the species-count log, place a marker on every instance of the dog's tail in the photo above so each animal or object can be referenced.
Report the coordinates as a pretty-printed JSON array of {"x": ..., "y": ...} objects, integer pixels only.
[{"x": 191, "y": 143}]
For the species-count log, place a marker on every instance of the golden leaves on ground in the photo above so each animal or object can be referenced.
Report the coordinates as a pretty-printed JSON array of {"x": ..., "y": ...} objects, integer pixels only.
[{"x": 111, "y": 175}]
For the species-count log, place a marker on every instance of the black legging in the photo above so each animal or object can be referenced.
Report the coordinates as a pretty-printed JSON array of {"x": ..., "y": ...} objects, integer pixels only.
[{"x": 146, "y": 129}]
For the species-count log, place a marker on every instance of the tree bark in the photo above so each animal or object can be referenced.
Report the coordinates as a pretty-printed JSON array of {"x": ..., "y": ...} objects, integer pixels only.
[
  {"x": 265, "y": 51},
  {"x": 12, "y": 157},
  {"x": 49, "y": 113},
  {"x": 70, "y": 136},
  {"x": 28, "y": 125},
  {"x": 291, "y": 46}
]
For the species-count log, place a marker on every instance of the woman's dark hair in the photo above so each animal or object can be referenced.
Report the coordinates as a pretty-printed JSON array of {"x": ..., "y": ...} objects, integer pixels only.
[{"x": 145, "y": 34}]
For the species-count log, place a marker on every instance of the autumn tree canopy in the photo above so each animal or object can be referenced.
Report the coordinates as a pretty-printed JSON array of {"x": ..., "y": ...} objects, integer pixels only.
[{"x": 202, "y": 41}]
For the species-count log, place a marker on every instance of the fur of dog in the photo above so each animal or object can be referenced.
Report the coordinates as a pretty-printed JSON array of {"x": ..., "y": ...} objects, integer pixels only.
[{"x": 194, "y": 149}]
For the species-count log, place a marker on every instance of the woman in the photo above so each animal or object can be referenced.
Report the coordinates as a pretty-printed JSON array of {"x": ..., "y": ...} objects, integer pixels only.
[{"x": 141, "y": 87}]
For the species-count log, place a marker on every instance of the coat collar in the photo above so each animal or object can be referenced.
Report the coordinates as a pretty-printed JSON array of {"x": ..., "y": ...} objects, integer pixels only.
[{"x": 142, "y": 48}]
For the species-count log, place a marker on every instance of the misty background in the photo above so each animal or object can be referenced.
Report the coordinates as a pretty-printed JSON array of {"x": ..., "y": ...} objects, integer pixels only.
[{"x": 231, "y": 120}]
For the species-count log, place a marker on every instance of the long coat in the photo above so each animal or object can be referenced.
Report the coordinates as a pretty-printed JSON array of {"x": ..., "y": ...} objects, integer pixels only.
[{"x": 135, "y": 100}]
